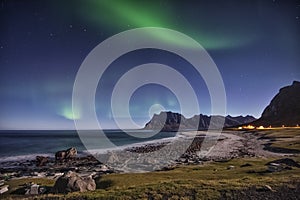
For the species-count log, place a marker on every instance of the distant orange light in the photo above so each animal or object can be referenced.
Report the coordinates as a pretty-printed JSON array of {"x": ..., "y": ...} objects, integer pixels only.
[
  {"x": 249, "y": 127},
  {"x": 260, "y": 127},
  {"x": 240, "y": 127},
  {"x": 282, "y": 126}
]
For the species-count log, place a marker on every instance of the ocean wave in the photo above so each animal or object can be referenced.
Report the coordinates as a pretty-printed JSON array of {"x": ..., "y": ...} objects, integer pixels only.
[
  {"x": 24, "y": 157},
  {"x": 138, "y": 144}
]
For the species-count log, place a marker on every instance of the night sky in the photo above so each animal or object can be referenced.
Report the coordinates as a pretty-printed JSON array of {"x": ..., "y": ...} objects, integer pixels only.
[{"x": 255, "y": 44}]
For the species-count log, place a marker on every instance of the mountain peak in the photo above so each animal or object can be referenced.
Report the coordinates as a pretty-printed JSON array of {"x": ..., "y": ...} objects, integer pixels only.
[
  {"x": 296, "y": 83},
  {"x": 284, "y": 108}
]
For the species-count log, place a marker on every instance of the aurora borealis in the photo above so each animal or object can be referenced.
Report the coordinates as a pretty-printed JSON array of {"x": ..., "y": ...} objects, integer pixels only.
[
  {"x": 255, "y": 44},
  {"x": 135, "y": 14}
]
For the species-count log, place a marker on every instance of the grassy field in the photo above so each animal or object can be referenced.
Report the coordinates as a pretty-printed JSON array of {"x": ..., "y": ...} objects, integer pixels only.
[
  {"x": 208, "y": 181},
  {"x": 288, "y": 138}
]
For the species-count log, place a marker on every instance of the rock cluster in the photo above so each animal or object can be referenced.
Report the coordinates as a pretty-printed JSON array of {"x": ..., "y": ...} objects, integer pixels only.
[
  {"x": 147, "y": 148},
  {"x": 49, "y": 167}
]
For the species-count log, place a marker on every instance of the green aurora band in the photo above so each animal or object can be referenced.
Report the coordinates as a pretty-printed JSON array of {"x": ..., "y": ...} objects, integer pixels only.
[
  {"x": 68, "y": 113},
  {"x": 124, "y": 15}
]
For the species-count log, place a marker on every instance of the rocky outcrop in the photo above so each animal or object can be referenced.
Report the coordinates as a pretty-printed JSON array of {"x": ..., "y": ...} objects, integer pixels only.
[
  {"x": 41, "y": 161},
  {"x": 72, "y": 182},
  {"x": 284, "y": 108},
  {"x": 169, "y": 121},
  {"x": 66, "y": 154}
]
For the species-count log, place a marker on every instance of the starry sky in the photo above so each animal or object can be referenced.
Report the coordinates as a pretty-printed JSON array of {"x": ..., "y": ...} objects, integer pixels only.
[{"x": 255, "y": 45}]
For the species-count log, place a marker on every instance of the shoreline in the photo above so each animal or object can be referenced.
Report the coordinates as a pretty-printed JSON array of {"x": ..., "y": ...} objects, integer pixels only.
[{"x": 230, "y": 144}]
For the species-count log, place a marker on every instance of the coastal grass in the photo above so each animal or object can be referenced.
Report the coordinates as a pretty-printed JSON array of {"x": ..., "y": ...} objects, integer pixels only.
[
  {"x": 206, "y": 181},
  {"x": 288, "y": 138}
]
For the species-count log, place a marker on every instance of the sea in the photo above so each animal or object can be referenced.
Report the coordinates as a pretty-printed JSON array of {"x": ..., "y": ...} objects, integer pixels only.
[{"x": 27, "y": 144}]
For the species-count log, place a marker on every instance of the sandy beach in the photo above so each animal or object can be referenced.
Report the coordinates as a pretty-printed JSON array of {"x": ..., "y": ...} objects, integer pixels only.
[{"x": 149, "y": 156}]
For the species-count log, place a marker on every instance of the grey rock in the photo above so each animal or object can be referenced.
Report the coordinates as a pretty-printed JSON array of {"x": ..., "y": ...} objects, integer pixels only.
[
  {"x": 230, "y": 167},
  {"x": 274, "y": 167},
  {"x": 41, "y": 161},
  {"x": 3, "y": 189},
  {"x": 34, "y": 189},
  {"x": 66, "y": 154},
  {"x": 71, "y": 182}
]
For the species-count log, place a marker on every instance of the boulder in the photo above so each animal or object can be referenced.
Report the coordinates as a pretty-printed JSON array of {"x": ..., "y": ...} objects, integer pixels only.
[
  {"x": 34, "y": 189},
  {"x": 3, "y": 189},
  {"x": 230, "y": 167},
  {"x": 66, "y": 154},
  {"x": 72, "y": 182},
  {"x": 265, "y": 188},
  {"x": 41, "y": 161},
  {"x": 274, "y": 167}
]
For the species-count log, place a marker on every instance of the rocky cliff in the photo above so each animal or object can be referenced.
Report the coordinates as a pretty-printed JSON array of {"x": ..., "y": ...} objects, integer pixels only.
[{"x": 284, "y": 108}]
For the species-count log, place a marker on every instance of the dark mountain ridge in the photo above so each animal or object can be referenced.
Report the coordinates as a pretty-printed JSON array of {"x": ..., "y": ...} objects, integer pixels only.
[{"x": 169, "y": 121}]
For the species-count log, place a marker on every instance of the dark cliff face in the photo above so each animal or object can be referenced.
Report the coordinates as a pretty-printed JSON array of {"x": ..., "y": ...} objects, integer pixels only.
[
  {"x": 284, "y": 108},
  {"x": 168, "y": 121}
]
